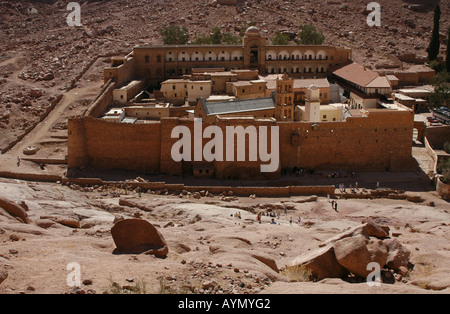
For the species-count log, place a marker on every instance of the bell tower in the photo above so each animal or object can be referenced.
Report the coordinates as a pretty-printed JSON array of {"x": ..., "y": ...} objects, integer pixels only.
[
  {"x": 284, "y": 109},
  {"x": 254, "y": 50},
  {"x": 312, "y": 104}
]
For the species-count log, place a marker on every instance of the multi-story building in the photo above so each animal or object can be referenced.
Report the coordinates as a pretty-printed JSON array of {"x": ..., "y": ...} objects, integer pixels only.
[{"x": 160, "y": 63}]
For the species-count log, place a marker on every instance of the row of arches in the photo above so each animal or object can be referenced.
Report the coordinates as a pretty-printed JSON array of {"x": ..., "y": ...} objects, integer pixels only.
[
  {"x": 237, "y": 55},
  {"x": 296, "y": 55},
  {"x": 183, "y": 56},
  {"x": 293, "y": 70}
]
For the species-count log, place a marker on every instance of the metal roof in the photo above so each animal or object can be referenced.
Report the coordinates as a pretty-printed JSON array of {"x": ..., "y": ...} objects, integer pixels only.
[{"x": 241, "y": 105}]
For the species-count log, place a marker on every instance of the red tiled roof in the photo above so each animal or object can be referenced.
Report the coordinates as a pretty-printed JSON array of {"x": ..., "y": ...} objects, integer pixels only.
[{"x": 356, "y": 74}]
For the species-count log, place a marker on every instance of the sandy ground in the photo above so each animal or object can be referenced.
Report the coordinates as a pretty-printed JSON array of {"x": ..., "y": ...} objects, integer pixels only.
[{"x": 210, "y": 250}]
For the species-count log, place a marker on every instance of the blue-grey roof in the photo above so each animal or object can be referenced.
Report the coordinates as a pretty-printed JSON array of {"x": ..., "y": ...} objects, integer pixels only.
[{"x": 241, "y": 105}]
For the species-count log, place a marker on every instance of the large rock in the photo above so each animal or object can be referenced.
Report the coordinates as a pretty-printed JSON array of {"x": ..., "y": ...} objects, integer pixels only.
[
  {"x": 72, "y": 222},
  {"x": 355, "y": 254},
  {"x": 368, "y": 229},
  {"x": 267, "y": 260},
  {"x": 13, "y": 209},
  {"x": 352, "y": 253},
  {"x": 375, "y": 230},
  {"x": 3, "y": 275},
  {"x": 136, "y": 236},
  {"x": 378, "y": 252},
  {"x": 320, "y": 263},
  {"x": 398, "y": 255}
]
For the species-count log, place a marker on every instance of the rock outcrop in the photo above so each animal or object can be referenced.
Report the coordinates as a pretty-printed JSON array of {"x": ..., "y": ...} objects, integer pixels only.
[
  {"x": 136, "y": 236},
  {"x": 3, "y": 275},
  {"x": 14, "y": 209},
  {"x": 321, "y": 264},
  {"x": 351, "y": 252}
]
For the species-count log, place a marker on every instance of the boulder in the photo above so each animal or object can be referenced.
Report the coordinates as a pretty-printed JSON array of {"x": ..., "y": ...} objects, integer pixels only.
[
  {"x": 375, "y": 230},
  {"x": 368, "y": 229},
  {"x": 3, "y": 275},
  {"x": 13, "y": 209},
  {"x": 44, "y": 223},
  {"x": 378, "y": 252},
  {"x": 352, "y": 253},
  {"x": 136, "y": 236},
  {"x": 69, "y": 222},
  {"x": 72, "y": 222},
  {"x": 398, "y": 255},
  {"x": 268, "y": 261},
  {"x": 321, "y": 263}
]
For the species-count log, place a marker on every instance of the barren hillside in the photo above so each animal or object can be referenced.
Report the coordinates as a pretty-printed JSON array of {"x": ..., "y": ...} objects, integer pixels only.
[{"x": 41, "y": 56}]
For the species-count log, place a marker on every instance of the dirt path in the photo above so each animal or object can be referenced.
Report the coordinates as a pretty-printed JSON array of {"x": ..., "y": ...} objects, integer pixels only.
[{"x": 43, "y": 130}]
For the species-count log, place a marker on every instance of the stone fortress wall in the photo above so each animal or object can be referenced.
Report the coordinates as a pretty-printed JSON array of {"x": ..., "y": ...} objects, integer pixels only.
[{"x": 379, "y": 140}]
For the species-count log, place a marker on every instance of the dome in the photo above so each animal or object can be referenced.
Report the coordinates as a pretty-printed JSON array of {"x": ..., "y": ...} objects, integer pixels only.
[{"x": 253, "y": 31}]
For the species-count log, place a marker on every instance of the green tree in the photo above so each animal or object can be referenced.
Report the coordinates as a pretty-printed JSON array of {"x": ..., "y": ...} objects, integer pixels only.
[
  {"x": 217, "y": 37},
  {"x": 441, "y": 94},
  {"x": 174, "y": 35},
  {"x": 280, "y": 39},
  {"x": 447, "y": 147},
  {"x": 309, "y": 35},
  {"x": 433, "y": 48},
  {"x": 443, "y": 168},
  {"x": 447, "y": 58}
]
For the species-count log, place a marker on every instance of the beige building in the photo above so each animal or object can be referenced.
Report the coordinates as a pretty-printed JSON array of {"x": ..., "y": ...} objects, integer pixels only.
[
  {"x": 157, "y": 64},
  {"x": 364, "y": 86},
  {"x": 178, "y": 91},
  {"x": 127, "y": 91},
  {"x": 300, "y": 87},
  {"x": 154, "y": 112},
  {"x": 249, "y": 89}
]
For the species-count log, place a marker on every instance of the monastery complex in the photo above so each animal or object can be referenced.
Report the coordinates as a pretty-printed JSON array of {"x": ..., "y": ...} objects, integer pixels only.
[{"x": 330, "y": 113}]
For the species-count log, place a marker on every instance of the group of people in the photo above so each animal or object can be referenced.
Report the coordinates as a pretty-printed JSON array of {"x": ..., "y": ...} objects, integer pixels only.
[
  {"x": 342, "y": 187},
  {"x": 273, "y": 215}
]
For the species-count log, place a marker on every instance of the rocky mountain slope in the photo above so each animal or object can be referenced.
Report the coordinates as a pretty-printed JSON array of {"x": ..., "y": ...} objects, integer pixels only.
[{"x": 41, "y": 56}]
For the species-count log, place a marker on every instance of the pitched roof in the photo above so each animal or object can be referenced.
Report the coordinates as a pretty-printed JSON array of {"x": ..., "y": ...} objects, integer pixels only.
[
  {"x": 379, "y": 82},
  {"x": 236, "y": 106},
  {"x": 356, "y": 74}
]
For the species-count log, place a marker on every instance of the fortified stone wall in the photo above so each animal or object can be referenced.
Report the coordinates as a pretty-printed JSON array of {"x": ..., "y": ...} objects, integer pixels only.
[
  {"x": 382, "y": 141},
  {"x": 109, "y": 145},
  {"x": 437, "y": 136}
]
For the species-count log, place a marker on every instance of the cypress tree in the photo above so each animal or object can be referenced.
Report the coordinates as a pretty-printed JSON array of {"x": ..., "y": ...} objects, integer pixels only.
[
  {"x": 433, "y": 48},
  {"x": 447, "y": 58}
]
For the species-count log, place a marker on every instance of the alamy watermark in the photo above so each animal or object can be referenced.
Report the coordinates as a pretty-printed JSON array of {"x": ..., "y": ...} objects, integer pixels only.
[
  {"x": 374, "y": 17},
  {"x": 74, "y": 17},
  {"x": 73, "y": 279},
  {"x": 374, "y": 278},
  {"x": 214, "y": 149}
]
